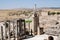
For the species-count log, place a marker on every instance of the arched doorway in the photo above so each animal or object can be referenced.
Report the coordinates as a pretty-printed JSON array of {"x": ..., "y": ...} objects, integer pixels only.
[{"x": 50, "y": 38}]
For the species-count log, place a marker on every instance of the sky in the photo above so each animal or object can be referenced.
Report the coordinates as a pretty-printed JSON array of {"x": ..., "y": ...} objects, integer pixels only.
[{"x": 11, "y": 4}]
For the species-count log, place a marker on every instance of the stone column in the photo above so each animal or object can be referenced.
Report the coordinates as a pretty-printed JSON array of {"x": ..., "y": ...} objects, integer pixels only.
[
  {"x": 36, "y": 23},
  {"x": 5, "y": 31},
  {"x": 24, "y": 28},
  {"x": 9, "y": 30},
  {"x": 2, "y": 38},
  {"x": 14, "y": 30},
  {"x": 18, "y": 29}
]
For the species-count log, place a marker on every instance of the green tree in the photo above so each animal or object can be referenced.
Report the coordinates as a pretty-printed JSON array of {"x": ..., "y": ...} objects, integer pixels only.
[{"x": 28, "y": 21}]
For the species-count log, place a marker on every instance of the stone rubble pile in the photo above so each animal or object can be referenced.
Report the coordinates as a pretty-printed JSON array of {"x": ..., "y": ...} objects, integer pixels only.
[{"x": 51, "y": 24}]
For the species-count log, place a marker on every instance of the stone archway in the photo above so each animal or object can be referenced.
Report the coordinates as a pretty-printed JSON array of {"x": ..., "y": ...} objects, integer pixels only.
[{"x": 50, "y": 38}]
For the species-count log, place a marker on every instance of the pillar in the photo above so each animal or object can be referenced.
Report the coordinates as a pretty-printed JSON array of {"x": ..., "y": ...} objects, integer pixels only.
[
  {"x": 8, "y": 29},
  {"x": 36, "y": 23},
  {"x": 2, "y": 38},
  {"x": 5, "y": 32},
  {"x": 14, "y": 30}
]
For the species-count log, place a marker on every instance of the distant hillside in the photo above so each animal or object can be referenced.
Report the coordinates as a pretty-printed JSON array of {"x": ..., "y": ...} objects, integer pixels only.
[{"x": 23, "y": 12}]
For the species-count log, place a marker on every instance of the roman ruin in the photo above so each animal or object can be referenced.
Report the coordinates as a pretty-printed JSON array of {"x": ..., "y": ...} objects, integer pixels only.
[{"x": 17, "y": 24}]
